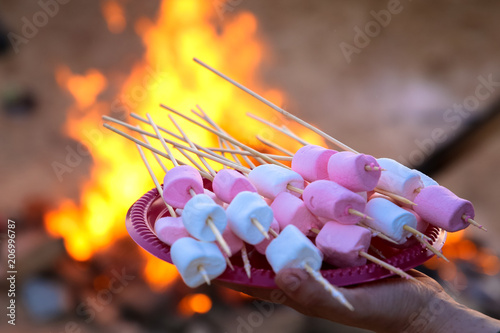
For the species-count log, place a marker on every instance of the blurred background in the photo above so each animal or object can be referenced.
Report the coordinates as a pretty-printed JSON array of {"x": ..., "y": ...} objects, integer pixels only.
[{"x": 415, "y": 81}]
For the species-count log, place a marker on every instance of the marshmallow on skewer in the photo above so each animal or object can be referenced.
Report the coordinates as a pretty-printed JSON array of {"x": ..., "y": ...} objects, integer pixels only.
[
  {"x": 169, "y": 229},
  {"x": 398, "y": 179},
  {"x": 288, "y": 209},
  {"x": 311, "y": 162},
  {"x": 214, "y": 197},
  {"x": 390, "y": 219},
  {"x": 347, "y": 246},
  {"x": 249, "y": 217},
  {"x": 197, "y": 262},
  {"x": 330, "y": 200},
  {"x": 262, "y": 246},
  {"x": 228, "y": 183},
  {"x": 356, "y": 172},
  {"x": 270, "y": 180},
  {"x": 178, "y": 183},
  {"x": 197, "y": 211},
  {"x": 426, "y": 180},
  {"x": 442, "y": 208},
  {"x": 292, "y": 249},
  {"x": 341, "y": 244}
]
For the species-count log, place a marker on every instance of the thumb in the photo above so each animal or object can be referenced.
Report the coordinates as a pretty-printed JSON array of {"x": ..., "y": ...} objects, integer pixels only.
[{"x": 308, "y": 296}]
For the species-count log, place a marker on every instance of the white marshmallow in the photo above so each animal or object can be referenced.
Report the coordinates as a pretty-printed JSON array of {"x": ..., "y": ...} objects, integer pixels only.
[
  {"x": 240, "y": 212},
  {"x": 292, "y": 249},
  {"x": 389, "y": 219},
  {"x": 426, "y": 180},
  {"x": 188, "y": 255},
  {"x": 270, "y": 180},
  {"x": 398, "y": 178},
  {"x": 196, "y": 213}
]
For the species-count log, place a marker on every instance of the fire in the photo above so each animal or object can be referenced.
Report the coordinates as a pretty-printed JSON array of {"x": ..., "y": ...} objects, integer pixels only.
[
  {"x": 195, "y": 303},
  {"x": 114, "y": 15},
  {"x": 167, "y": 74}
]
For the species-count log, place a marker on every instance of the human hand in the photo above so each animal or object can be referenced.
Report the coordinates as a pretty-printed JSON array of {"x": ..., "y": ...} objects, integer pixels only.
[{"x": 388, "y": 305}]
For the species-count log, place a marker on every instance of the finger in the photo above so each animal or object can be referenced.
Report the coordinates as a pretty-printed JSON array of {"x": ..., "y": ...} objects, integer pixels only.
[{"x": 308, "y": 296}]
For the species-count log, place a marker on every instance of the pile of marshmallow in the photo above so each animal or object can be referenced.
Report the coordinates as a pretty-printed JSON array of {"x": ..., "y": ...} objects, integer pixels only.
[{"x": 326, "y": 207}]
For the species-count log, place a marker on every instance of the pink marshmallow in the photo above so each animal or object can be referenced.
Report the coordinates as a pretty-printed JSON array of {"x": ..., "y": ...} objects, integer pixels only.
[
  {"x": 442, "y": 208},
  {"x": 234, "y": 242},
  {"x": 262, "y": 246},
  {"x": 177, "y": 183},
  {"x": 288, "y": 209},
  {"x": 328, "y": 199},
  {"x": 214, "y": 197},
  {"x": 341, "y": 244},
  {"x": 348, "y": 169},
  {"x": 311, "y": 162},
  {"x": 228, "y": 183},
  {"x": 169, "y": 229}
]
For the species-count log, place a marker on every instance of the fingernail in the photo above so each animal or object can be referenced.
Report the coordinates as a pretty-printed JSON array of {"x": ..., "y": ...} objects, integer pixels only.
[{"x": 292, "y": 282}]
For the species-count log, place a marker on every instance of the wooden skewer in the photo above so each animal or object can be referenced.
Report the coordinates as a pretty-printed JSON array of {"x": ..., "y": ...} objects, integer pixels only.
[
  {"x": 259, "y": 226},
  {"x": 275, "y": 107},
  {"x": 221, "y": 146},
  {"x": 203, "y": 272},
  {"x": 211, "y": 156},
  {"x": 155, "y": 180},
  {"x": 226, "y": 137},
  {"x": 162, "y": 140},
  {"x": 229, "y": 263},
  {"x": 164, "y": 168},
  {"x": 376, "y": 233},
  {"x": 415, "y": 232},
  {"x": 245, "y": 153},
  {"x": 432, "y": 249},
  {"x": 291, "y": 133},
  {"x": 190, "y": 143},
  {"x": 277, "y": 128},
  {"x": 374, "y": 168},
  {"x": 273, "y": 233},
  {"x": 328, "y": 286},
  {"x": 217, "y": 234},
  {"x": 378, "y": 252},
  {"x": 387, "y": 266},
  {"x": 395, "y": 196},
  {"x": 246, "y": 262},
  {"x": 353, "y": 211},
  {"x": 196, "y": 164},
  {"x": 474, "y": 223},
  {"x": 153, "y": 149},
  {"x": 274, "y": 145},
  {"x": 315, "y": 230},
  {"x": 212, "y": 123}
]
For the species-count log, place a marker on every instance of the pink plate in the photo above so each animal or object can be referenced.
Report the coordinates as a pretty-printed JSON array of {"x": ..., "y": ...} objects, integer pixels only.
[{"x": 143, "y": 214}]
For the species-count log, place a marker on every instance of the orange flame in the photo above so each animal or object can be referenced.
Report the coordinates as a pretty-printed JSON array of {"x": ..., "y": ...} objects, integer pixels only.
[
  {"x": 166, "y": 74},
  {"x": 114, "y": 15},
  {"x": 195, "y": 303}
]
